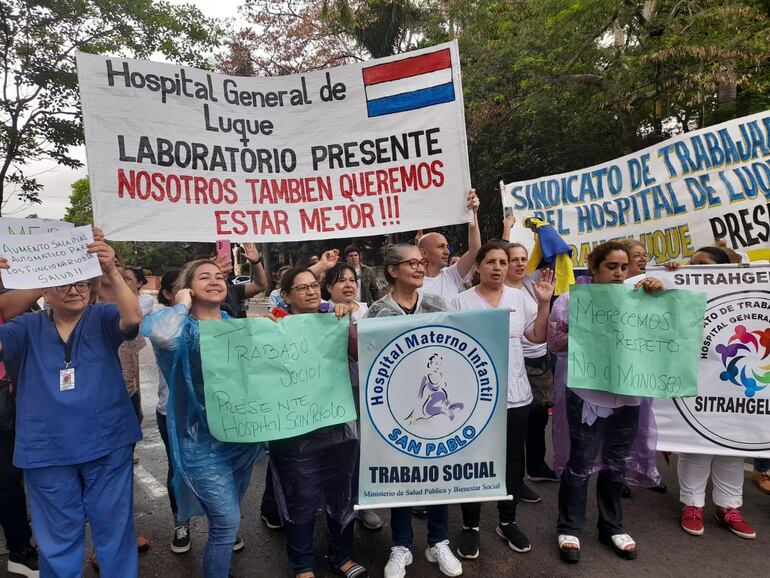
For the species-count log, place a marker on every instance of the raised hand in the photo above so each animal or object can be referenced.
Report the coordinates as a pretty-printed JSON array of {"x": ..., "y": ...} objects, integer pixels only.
[
  {"x": 250, "y": 252},
  {"x": 104, "y": 253},
  {"x": 183, "y": 296},
  {"x": 329, "y": 259},
  {"x": 473, "y": 201},
  {"x": 543, "y": 288},
  {"x": 225, "y": 263}
]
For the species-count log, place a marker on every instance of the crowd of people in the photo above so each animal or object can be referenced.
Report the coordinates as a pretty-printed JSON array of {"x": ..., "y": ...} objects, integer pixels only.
[{"x": 70, "y": 411}]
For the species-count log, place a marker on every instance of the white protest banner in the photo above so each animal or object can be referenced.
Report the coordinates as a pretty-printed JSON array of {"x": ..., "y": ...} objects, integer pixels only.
[
  {"x": 731, "y": 413},
  {"x": 10, "y": 226},
  {"x": 49, "y": 259},
  {"x": 433, "y": 408},
  {"x": 674, "y": 197},
  {"x": 180, "y": 154}
]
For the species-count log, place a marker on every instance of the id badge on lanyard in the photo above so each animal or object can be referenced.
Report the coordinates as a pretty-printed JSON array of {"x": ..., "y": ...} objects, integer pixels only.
[
  {"x": 66, "y": 379},
  {"x": 67, "y": 375}
]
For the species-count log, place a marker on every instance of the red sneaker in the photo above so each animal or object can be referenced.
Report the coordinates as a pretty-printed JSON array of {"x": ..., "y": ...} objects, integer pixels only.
[
  {"x": 732, "y": 518},
  {"x": 692, "y": 520}
]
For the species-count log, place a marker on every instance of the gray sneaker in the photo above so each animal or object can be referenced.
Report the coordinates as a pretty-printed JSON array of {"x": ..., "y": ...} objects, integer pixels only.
[{"x": 369, "y": 519}]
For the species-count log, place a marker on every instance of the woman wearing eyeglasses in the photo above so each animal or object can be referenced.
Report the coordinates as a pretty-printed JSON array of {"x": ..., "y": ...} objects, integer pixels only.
[
  {"x": 404, "y": 268},
  {"x": 314, "y": 472},
  {"x": 342, "y": 284},
  {"x": 217, "y": 473},
  {"x": 75, "y": 427}
]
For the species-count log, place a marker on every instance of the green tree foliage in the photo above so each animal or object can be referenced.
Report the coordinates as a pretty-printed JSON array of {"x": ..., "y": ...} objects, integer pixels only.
[
  {"x": 549, "y": 85},
  {"x": 80, "y": 211},
  {"x": 552, "y": 86},
  {"x": 39, "y": 107}
]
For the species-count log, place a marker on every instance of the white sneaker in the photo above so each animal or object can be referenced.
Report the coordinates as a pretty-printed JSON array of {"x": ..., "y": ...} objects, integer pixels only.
[
  {"x": 400, "y": 558},
  {"x": 447, "y": 563}
]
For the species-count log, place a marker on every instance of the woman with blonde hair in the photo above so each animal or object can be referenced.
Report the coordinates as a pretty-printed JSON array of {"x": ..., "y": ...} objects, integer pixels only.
[{"x": 216, "y": 473}]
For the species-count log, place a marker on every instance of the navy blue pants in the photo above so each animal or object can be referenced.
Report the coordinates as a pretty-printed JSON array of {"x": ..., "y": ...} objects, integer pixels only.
[
  {"x": 401, "y": 525},
  {"x": 62, "y": 498}
]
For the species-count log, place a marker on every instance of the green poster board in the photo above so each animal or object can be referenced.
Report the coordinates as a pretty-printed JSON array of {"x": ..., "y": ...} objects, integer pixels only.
[
  {"x": 630, "y": 343},
  {"x": 265, "y": 380}
]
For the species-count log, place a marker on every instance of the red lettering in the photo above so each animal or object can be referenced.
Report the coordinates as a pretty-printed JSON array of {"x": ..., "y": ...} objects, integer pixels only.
[
  {"x": 219, "y": 218},
  {"x": 231, "y": 197},
  {"x": 125, "y": 184},
  {"x": 438, "y": 176},
  {"x": 282, "y": 221},
  {"x": 158, "y": 192},
  {"x": 143, "y": 194},
  {"x": 237, "y": 218},
  {"x": 367, "y": 212}
]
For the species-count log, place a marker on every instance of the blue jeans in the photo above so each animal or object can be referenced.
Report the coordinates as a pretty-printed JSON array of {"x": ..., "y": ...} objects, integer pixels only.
[
  {"x": 299, "y": 544},
  {"x": 762, "y": 465},
  {"x": 62, "y": 498},
  {"x": 220, "y": 489},
  {"x": 401, "y": 525}
]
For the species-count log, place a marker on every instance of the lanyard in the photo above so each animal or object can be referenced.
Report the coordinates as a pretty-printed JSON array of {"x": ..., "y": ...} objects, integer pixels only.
[
  {"x": 68, "y": 350},
  {"x": 67, "y": 344}
]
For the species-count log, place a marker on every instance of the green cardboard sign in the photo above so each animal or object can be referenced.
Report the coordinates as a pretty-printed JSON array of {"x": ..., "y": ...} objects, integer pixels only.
[
  {"x": 267, "y": 381},
  {"x": 631, "y": 343}
]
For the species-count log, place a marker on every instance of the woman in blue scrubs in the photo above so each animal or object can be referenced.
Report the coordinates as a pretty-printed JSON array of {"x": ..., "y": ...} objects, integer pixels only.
[{"x": 76, "y": 428}]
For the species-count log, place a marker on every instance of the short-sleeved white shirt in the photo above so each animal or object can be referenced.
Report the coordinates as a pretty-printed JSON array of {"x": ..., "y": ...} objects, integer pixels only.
[
  {"x": 447, "y": 284},
  {"x": 522, "y": 316}
]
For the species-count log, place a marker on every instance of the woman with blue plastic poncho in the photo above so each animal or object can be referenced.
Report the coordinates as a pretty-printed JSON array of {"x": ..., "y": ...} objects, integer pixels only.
[
  {"x": 598, "y": 432},
  {"x": 216, "y": 473},
  {"x": 314, "y": 472}
]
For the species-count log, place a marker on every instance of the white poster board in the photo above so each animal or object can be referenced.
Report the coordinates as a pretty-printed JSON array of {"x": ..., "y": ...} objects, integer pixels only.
[
  {"x": 48, "y": 260},
  {"x": 674, "y": 197},
  {"x": 731, "y": 413},
  {"x": 180, "y": 154}
]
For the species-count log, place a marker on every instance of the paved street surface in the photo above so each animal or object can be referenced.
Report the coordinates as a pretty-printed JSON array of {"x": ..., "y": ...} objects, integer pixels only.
[{"x": 652, "y": 519}]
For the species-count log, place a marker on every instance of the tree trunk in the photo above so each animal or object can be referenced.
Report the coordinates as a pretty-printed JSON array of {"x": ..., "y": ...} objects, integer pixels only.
[{"x": 727, "y": 89}]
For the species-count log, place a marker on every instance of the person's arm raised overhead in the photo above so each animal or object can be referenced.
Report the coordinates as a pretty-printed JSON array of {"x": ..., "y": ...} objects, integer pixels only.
[
  {"x": 128, "y": 305},
  {"x": 468, "y": 260}
]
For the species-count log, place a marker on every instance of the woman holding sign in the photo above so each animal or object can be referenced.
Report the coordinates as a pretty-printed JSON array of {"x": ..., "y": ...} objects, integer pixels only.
[
  {"x": 726, "y": 472},
  {"x": 217, "y": 473},
  {"x": 405, "y": 270},
  {"x": 596, "y": 431},
  {"x": 314, "y": 472},
  {"x": 75, "y": 427},
  {"x": 527, "y": 320}
]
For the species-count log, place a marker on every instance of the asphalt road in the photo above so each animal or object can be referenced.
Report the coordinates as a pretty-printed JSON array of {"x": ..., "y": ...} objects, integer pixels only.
[{"x": 651, "y": 518}]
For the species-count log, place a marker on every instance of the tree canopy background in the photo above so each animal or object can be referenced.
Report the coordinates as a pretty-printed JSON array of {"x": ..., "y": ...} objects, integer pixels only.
[{"x": 549, "y": 85}]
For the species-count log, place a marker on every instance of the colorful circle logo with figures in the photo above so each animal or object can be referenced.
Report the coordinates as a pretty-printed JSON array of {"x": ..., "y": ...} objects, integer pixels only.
[
  {"x": 431, "y": 391},
  {"x": 742, "y": 358},
  {"x": 734, "y": 373}
]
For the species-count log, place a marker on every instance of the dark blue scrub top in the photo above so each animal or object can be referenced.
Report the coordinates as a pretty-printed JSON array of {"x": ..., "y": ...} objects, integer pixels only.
[{"x": 58, "y": 428}]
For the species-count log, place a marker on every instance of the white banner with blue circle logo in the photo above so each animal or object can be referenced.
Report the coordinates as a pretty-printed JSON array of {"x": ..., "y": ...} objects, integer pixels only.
[
  {"x": 731, "y": 413},
  {"x": 433, "y": 408}
]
